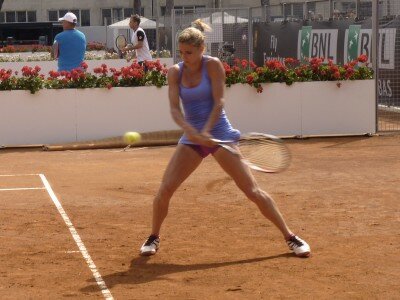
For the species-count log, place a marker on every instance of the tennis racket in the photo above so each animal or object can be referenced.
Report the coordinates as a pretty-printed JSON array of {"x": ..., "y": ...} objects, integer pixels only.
[
  {"x": 121, "y": 43},
  {"x": 261, "y": 152}
]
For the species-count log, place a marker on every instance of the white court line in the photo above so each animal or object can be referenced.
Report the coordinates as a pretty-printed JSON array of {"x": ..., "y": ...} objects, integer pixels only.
[
  {"x": 100, "y": 282},
  {"x": 16, "y": 175},
  {"x": 22, "y": 189}
]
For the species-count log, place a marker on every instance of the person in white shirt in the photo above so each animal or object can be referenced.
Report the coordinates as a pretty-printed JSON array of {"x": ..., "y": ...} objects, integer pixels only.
[{"x": 139, "y": 41}]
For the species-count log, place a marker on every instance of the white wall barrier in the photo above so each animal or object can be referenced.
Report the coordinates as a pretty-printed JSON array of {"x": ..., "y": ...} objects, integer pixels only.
[
  {"x": 47, "y": 66},
  {"x": 57, "y": 116}
]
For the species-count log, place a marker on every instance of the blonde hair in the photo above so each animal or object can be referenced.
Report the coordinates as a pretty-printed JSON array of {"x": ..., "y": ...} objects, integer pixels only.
[{"x": 194, "y": 35}]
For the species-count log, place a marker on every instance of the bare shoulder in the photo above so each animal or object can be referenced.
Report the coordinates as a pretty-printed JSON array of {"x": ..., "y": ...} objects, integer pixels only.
[
  {"x": 173, "y": 70},
  {"x": 214, "y": 62},
  {"x": 214, "y": 66},
  {"x": 173, "y": 73}
]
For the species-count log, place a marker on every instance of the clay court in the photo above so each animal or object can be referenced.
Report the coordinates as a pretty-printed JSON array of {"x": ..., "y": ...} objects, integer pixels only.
[{"x": 340, "y": 194}]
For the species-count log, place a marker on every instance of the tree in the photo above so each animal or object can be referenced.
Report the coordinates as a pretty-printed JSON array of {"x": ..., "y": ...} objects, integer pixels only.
[
  {"x": 1, "y": 3},
  {"x": 137, "y": 7}
]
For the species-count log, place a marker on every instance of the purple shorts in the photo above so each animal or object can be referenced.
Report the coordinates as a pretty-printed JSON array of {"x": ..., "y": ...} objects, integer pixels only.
[{"x": 203, "y": 151}]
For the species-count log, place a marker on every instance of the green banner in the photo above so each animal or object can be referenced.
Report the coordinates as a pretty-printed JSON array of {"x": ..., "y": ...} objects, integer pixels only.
[
  {"x": 305, "y": 42},
  {"x": 352, "y": 42}
]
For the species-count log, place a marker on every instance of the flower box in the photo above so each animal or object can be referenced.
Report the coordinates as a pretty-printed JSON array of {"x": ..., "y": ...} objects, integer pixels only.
[{"x": 302, "y": 109}]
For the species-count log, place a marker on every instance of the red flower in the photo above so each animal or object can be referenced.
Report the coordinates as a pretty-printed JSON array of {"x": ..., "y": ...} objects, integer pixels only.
[
  {"x": 362, "y": 58},
  {"x": 349, "y": 73},
  {"x": 54, "y": 74},
  {"x": 336, "y": 75},
  {"x": 26, "y": 71},
  {"x": 290, "y": 61},
  {"x": 274, "y": 64},
  {"x": 334, "y": 69},
  {"x": 250, "y": 79},
  {"x": 84, "y": 65},
  {"x": 316, "y": 61}
]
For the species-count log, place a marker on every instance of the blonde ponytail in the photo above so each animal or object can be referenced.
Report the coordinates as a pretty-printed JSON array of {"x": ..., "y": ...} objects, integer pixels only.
[
  {"x": 194, "y": 35},
  {"x": 201, "y": 25}
]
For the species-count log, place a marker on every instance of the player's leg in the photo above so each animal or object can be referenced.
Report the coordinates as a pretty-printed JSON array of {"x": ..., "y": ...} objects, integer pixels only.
[
  {"x": 184, "y": 161},
  {"x": 245, "y": 180}
]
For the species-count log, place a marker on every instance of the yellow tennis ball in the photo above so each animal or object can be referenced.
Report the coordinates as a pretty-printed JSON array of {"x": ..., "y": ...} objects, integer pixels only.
[{"x": 132, "y": 137}]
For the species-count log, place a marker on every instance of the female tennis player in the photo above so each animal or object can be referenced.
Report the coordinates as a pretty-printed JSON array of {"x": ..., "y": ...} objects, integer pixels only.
[{"x": 199, "y": 81}]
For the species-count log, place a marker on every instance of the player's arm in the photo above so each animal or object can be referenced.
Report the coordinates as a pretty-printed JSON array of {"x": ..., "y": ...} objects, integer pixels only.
[
  {"x": 55, "y": 50},
  {"x": 138, "y": 45},
  {"x": 216, "y": 73}
]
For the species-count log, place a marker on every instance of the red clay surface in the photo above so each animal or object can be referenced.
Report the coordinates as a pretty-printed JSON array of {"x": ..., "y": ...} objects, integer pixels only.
[{"x": 340, "y": 194}]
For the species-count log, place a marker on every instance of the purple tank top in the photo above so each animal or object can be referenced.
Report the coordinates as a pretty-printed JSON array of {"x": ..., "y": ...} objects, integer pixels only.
[{"x": 197, "y": 105}]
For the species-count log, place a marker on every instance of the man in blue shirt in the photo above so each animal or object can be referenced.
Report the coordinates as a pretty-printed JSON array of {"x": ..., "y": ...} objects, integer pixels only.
[{"x": 70, "y": 45}]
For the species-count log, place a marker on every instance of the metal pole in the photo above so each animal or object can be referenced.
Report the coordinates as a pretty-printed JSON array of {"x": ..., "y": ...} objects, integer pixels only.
[
  {"x": 173, "y": 38},
  {"x": 374, "y": 55},
  {"x": 263, "y": 19},
  {"x": 250, "y": 34},
  {"x": 358, "y": 5},
  {"x": 330, "y": 9},
  {"x": 265, "y": 7},
  {"x": 157, "y": 28}
]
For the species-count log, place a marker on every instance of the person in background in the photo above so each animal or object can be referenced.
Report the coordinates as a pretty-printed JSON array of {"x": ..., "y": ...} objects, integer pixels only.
[
  {"x": 139, "y": 41},
  {"x": 70, "y": 45}
]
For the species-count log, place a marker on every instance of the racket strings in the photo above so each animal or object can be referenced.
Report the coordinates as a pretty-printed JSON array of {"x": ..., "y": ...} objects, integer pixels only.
[
  {"x": 266, "y": 154},
  {"x": 121, "y": 42}
]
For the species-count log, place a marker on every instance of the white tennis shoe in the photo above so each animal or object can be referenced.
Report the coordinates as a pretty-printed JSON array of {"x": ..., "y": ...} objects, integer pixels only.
[
  {"x": 298, "y": 246},
  {"x": 150, "y": 246}
]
